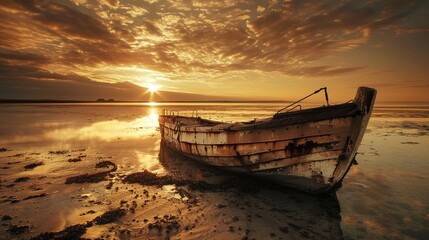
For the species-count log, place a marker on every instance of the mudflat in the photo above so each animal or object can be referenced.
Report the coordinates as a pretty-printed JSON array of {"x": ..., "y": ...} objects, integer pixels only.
[{"x": 100, "y": 171}]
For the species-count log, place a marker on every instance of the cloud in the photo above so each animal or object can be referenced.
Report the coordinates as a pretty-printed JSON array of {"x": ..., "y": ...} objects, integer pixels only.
[
  {"x": 416, "y": 29},
  {"x": 176, "y": 38},
  {"x": 12, "y": 56},
  {"x": 32, "y": 81},
  {"x": 151, "y": 28},
  {"x": 324, "y": 71},
  {"x": 63, "y": 20}
]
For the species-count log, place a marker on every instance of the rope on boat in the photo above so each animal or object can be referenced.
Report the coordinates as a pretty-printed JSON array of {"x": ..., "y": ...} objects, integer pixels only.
[
  {"x": 177, "y": 131},
  {"x": 315, "y": 92}
]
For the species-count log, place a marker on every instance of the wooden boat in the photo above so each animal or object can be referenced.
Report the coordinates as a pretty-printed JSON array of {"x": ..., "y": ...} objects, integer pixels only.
[{"x": 309, "y": 150}]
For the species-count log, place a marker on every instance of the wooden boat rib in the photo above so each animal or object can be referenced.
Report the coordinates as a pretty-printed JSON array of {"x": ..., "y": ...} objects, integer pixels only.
[{"x": 309, "y": 150}]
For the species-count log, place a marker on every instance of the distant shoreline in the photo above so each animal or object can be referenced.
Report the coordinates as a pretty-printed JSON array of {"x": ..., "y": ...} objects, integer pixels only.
[{"x": 24, "y": 101}]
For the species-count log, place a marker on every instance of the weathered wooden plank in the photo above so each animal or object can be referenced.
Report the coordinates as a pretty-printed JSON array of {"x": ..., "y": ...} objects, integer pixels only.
[
  {"x": 268, "y": 163},
  {"x": 283, "y": 162},
  {"x": 309, "y": 175},
  {"x": 265, "y": 156},
  {"x": 324, "y": 142},
  {"x": 332, "y": 126}
]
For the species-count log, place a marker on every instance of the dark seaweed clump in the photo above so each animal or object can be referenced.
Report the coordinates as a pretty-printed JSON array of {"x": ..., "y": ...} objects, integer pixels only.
[
  {"x": 88, "y": 178},
  {"x": 60, "y": 152},
  {"x": 70, "y": 233},
  {"x": 33, "y": 165},
  {"x": 78, "y": 159},
  {"x": 36, "y": 196},
  {"x": 110, "y": 216},
  {"x": 22, "y": 179},
  {"x": 6, "y": 218},
  {"x": 105, "y": 164},
  {"x": 169, "y": 222},
  {"x": 150, "y": 179},
  {"x": 94, "y": 177},
  {"x": 76, "y": 231},
  {"x": 14, "y": 229},
  {"x": 3, "y": 149}
]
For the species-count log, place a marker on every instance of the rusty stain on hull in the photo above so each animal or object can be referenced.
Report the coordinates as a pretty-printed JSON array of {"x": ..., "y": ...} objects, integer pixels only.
[{"x": 310, "y": 150}]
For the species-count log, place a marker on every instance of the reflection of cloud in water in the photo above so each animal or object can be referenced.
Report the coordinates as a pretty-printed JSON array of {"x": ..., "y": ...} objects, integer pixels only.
[
  {"x": 379, "y": 203},
  {"x": 150, "y": 162},
  {"x": 63, "y": 131},
  {"x": 400, "y": 126},
  {"x": 110, "y": 130}
]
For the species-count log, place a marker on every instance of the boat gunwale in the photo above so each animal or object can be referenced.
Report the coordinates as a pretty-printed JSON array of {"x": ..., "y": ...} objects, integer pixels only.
[
  {"x": 255, "y": 142},
  {"x": 264, "y": 123}
]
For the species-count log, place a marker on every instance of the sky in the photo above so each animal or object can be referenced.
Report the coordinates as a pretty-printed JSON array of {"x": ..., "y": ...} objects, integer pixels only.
[{"x": 242, "y": 49}]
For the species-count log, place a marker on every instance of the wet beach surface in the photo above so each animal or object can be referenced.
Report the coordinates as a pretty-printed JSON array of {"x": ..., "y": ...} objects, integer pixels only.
[{"x": 101, "y": 172}]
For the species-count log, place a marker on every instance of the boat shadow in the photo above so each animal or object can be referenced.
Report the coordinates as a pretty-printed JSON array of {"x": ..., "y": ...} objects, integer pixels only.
[{"x": 258, "y": 208}]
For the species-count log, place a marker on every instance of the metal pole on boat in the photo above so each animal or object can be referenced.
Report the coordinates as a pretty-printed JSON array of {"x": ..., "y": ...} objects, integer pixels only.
[
  {"x": 326, "y": 95},
  {"x": 315, "y": 92}
]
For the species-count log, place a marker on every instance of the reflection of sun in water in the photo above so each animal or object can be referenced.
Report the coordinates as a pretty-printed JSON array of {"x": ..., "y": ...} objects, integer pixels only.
[
  {"x": 153, "y": 117},
  {"x": 150, "y": 120}
]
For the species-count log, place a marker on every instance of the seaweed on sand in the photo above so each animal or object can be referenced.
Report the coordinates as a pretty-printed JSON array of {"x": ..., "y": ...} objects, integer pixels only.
[
  {"x": 14, "y": 229},
  {"x": 150, "y": 179},
  {"x": 33, "y": 165},
  {"x": 170, "y": 223},
  {"x": 105, "y": 164},
  {"x": 110, "y": 216},
  {"x": 88, "y": 178},
  {"x": 94, "y": 177},
  {"x": 36, "y": 196},
  {"x": 70, "y": 233},
  {"x": 77, "y": 159},
  {"x": 59, "y": 152},
  {"x": 76, "y": 231},
  {"x": 22, "y": 179},
  {"x": 6, "y": 218}
]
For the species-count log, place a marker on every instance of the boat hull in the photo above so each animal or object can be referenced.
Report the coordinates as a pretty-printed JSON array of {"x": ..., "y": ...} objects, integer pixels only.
[{"x": 308, "y": 150}]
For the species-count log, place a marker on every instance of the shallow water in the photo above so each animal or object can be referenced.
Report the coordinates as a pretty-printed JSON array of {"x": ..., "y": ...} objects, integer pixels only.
[{"x": 384, "y": 196}]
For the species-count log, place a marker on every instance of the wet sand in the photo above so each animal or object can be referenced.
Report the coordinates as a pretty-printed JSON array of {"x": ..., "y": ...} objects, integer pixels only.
[{"x": 101, "y": 172}]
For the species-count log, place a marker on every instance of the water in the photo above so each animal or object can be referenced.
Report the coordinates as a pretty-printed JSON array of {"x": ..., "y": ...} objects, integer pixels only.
[{"x": 384, "y": 196}]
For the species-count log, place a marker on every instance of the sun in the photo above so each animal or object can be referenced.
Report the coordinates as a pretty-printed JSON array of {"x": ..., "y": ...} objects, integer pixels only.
[{"x": 153, "y": 88}]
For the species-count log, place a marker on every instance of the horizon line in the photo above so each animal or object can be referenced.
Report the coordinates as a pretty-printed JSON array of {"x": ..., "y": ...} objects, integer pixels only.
[
  {"x": 177, "y": 101},
  {"x": 129, "y": 101}
]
